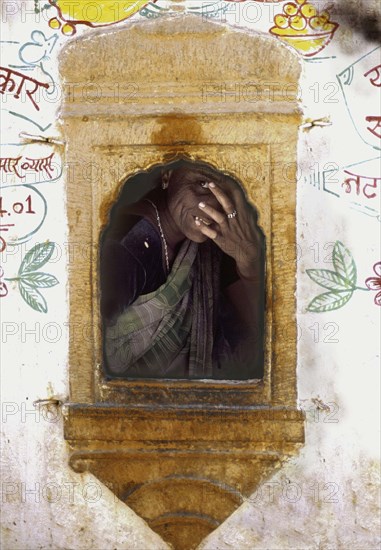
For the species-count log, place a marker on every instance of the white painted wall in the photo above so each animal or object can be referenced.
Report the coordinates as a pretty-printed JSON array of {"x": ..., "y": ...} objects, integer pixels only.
[{"x": 324, "y": 498}]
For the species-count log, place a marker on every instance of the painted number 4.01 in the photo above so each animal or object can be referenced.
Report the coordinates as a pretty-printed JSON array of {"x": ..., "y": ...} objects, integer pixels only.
[{"x": 18, "y": 207}]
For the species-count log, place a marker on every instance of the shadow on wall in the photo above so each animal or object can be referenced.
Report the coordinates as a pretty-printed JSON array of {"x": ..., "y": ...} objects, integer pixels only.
[{"x": 363, "y": 16}]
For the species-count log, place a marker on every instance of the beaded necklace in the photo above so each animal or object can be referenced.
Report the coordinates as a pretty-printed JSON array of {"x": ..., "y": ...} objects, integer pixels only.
[{"x": 161, "y": 234}]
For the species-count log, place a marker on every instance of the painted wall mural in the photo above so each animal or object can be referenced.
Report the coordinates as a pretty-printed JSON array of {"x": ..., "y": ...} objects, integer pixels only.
[
  {"x": 17, "y": 82},
  {"x": 358, "y": 184},
  {"x": 360, "y": 181},
  {"x": 100, "y": 13},
  {"x": 92, "y": 14},
  {"x": 300, "y": 24},
  {"x": 23, "y": 210},
  {"x": 303, "y": 27},
  {"x": 374, "y": 283},
  {"x": 339, "y": 277},
  {"x": 341, "y": 281},
  {"x": 28, "y": 91},
  {"x": 365, "y": 116},
  {"x": 30, "y": 280},
  {"x": 28, "y": 86}
]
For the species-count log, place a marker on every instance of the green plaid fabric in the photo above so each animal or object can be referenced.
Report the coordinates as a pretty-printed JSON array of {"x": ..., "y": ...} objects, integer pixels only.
[{"x": 169, "y": 333}]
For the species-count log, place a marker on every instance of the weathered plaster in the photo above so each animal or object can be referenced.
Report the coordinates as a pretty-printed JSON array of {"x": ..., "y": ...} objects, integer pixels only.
[{"x": 343, "y": 373}]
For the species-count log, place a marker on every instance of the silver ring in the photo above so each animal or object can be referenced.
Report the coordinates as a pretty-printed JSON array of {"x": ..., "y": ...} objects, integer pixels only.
[{"x": 232, "y": 214}]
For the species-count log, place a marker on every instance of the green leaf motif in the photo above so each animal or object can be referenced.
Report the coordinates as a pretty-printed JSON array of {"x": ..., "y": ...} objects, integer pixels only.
[
  {"x": 32, "y": 296},
  {"x": 329, "y": 301},
  {"x": 344, "y": 264},
  {"x": 329, "y": 279},
  {"x": 40, "y": 280},
  {"x": 36, "y": 257}
]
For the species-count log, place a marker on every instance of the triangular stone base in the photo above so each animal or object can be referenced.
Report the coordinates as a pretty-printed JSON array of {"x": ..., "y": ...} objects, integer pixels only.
[{"x": 183, "y": 484}]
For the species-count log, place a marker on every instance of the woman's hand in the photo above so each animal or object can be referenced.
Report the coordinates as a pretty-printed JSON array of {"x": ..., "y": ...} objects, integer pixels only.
[{"x": 237, "y": 235}]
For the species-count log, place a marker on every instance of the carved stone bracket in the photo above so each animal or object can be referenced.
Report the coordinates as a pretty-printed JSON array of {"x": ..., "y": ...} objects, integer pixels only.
[{"x": 183, "y": 471}]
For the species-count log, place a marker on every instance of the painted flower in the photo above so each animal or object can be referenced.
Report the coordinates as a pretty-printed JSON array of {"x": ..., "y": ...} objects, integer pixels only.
[
  {"x": 3, "y": 286},
  {"x": 374, "y": 283}
]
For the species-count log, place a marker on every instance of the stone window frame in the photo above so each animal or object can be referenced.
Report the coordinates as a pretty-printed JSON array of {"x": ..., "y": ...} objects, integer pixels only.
[
  {"x": 140, "y": 135},
  {"x": 276, "y": 380},
  {"x": 169, "y": 443}
]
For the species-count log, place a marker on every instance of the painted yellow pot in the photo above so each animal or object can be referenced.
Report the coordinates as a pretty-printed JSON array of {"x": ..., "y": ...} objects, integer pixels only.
[
  {"x": 303, "y": 27},
  {"x": 306, "y": 44},
  {"x": 96, "y": 13}
]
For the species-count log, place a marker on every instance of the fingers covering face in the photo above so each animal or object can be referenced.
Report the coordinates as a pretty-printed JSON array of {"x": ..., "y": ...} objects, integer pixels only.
[
  {"x": 214, "y": 214},
  {"x": 222, "y": 198},
  {"x": 206, "y": 230}
]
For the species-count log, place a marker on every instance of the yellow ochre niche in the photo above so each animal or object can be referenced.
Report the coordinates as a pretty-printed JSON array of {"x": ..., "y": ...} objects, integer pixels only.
[{"x": 182, "y": 453}]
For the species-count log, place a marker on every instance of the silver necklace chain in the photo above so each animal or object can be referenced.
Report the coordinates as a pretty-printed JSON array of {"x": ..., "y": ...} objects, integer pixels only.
[{"x": 161, "y": 234}]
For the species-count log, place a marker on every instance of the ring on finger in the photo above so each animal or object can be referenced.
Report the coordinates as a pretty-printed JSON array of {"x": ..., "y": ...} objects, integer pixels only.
[{"x": 232, "y": 214}]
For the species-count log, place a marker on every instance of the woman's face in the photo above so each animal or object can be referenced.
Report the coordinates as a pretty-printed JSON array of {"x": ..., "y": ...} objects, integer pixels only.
[{"x": 187, "y": 188}]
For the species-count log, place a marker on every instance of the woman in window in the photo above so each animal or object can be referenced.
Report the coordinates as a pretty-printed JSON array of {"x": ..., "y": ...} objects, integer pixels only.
[{"x": 182, "y": 280}]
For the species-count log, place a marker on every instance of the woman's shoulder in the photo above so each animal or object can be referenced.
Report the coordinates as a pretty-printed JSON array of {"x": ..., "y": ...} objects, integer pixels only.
[
  {"x": 143, "y": 242},
  {"x": 130, "y": 266}
]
